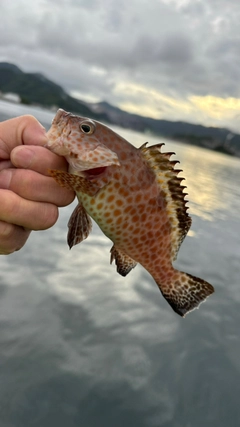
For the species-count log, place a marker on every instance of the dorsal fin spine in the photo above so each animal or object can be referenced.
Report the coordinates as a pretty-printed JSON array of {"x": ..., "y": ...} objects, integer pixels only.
[{"x": 170, "y": 184}]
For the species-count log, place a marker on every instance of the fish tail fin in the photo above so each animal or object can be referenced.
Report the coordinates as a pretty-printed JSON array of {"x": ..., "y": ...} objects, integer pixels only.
[{"x": 186, "y": 292}]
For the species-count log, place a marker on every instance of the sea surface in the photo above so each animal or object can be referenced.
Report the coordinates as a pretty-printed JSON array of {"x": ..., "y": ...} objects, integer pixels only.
[{"x": 82, "y": 346}]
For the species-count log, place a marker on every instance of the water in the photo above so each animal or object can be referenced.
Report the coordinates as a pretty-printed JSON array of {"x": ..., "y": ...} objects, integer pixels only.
[{"x": 82, "y": 346}]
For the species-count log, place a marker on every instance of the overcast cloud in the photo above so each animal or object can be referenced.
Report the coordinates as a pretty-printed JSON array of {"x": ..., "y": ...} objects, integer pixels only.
[{"x": 172, "y": 59}]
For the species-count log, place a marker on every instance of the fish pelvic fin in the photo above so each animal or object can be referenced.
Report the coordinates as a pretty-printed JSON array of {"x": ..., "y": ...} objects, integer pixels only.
[
  {"x": 186, "y": 292},
  {"x": 79, "y": 226}
]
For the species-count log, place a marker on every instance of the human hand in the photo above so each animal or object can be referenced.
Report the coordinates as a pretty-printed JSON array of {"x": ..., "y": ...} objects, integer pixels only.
[{"x": 29, "y": 198}]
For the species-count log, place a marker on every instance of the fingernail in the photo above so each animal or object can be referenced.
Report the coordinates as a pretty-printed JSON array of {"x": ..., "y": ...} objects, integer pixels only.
[
  {"x": 22, "y": 157},
  {"x": 5, "y": 178}
]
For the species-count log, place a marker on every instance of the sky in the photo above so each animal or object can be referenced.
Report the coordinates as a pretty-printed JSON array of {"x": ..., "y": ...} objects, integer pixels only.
[{"x": 166, "y": 59}]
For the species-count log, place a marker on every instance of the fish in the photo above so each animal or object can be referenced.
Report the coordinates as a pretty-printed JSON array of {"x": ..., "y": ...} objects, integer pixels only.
[{"x": 135, "y": 196}]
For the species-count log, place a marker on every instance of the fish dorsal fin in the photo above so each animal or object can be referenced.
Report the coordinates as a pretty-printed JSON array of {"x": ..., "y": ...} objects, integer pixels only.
[{"x": 170, "y": 185}]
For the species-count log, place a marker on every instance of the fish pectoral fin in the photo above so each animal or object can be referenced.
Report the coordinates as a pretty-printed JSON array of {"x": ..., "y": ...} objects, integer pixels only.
[
  {"x": 74, "y": 182},
  {"x": 186, "y": 293},
  {"x": 123, "y": 262},
  {"x": 79, "y": 226}
]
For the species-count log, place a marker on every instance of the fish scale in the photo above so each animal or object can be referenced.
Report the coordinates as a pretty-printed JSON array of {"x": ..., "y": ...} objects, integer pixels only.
[{"x": 136, "y": 198}]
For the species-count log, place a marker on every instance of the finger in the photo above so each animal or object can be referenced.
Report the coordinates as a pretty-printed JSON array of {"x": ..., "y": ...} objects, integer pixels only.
[
  {"x": 26, "y": 213},
  {"x": 18, "y": 131},
  {"x": 35, "y": 187},
  {"x": 12, "y": 237},
  {"x": 37, "y": 158},
  {"x": 4, "y": 164}
]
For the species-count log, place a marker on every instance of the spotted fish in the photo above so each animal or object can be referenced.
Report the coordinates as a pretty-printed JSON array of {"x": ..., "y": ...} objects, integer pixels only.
[{"x": 135, "y": 196}]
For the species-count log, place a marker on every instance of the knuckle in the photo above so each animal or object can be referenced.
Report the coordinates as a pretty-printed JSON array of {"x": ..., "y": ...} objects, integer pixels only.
[
  {"x": 12, "y": 238},
  {"x": 67, "y": 197},
  {"x": 28, "y": 119},
  {"x": 25, "y": 122},
  {"x": 9, "y": 204},
  {"x": 6, "y": 230},
  {"x": 48, "y": 216}
]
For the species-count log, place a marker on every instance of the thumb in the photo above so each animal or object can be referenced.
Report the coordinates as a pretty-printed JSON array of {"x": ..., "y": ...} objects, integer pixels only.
[{"x": 23, "y": 130}]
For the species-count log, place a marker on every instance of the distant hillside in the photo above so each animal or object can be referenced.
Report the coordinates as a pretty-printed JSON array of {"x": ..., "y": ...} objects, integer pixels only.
[
  {"x": 219, "y": 139},
  {"x": 35, "y": 88}
]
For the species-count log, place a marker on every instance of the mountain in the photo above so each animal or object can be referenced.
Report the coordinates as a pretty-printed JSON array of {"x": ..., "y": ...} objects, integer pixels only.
[
  {"x": 219, "y": 139},
  {"x": 35, "y": 88}
]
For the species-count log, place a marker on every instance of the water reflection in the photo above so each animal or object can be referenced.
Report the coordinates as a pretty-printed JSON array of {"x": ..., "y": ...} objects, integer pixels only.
[{"x": 207, "y": 176}]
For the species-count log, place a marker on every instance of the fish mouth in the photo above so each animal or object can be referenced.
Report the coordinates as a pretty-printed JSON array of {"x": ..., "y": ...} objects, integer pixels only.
[
  {"x": 61, "y": 114},
  {"x": 94, "y": 172}
]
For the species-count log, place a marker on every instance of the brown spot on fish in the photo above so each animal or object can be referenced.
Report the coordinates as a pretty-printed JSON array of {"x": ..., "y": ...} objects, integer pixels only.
[
  {"x": 123, "y": 192},
  {"x": 119, "y": 221},
  {"x": 116, "y": 212},
  {"x": 110, "y": 198}
]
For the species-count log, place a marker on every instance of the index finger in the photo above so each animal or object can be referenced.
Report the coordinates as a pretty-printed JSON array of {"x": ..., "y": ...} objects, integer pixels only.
[
  {"x": 39, "y": 159},
  {"x": 23, "y": 130}
]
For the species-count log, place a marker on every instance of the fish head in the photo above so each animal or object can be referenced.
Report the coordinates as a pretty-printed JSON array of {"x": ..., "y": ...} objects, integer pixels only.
[{"x": 79, "y": 140}]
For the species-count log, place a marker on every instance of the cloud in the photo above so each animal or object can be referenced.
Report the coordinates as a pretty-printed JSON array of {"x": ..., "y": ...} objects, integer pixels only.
[{"x": 178, "y": 50}]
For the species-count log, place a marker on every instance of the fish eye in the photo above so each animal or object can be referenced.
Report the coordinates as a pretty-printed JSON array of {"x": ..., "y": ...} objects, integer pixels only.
[{"x": 87, "y": 127}]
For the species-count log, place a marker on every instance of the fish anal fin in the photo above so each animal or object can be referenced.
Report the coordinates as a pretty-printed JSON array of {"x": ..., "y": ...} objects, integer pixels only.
[
  {"x": 186, "y": 292},
  {"x": 123, "y": 262},
  {"x": 79, "y": 226},
  {"x": 74, "y": 182}
]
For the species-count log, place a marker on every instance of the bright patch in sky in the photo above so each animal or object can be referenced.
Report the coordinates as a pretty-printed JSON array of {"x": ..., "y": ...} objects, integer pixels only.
[
  {"x": 217, "y": 107},
  {"x": 214, "y": 111}
]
